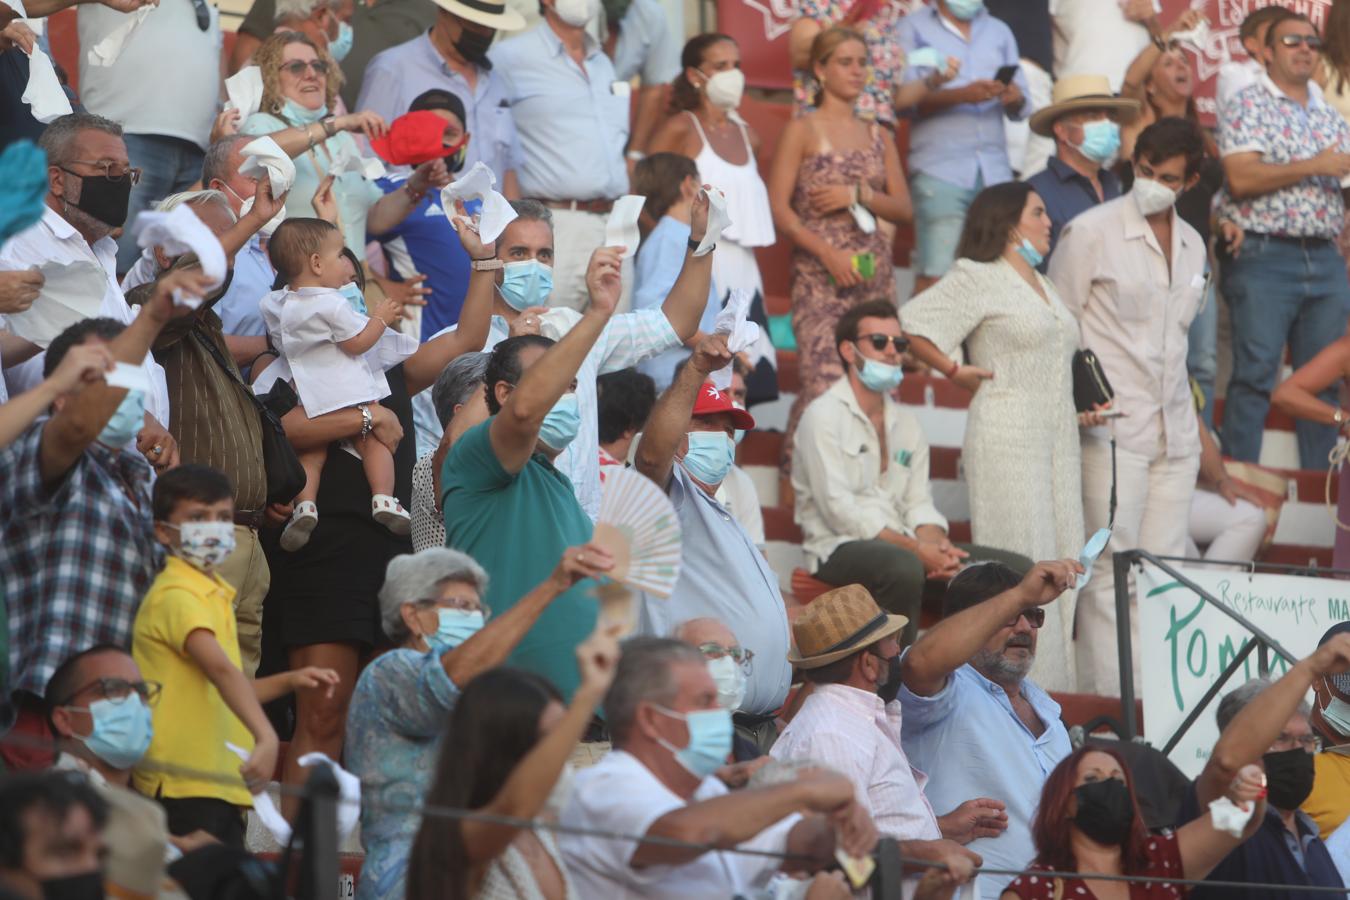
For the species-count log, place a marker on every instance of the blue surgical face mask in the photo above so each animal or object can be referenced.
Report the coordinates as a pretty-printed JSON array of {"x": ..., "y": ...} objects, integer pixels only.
[
  {"x": 879, "y": 376},
  {"x": 562, "y": 423},
  {"x": 340, "y": 46},
  {"x": 710, "y": 456},
  {"x": 1028, "y": 252},
  {"x": 709, "y": 740},
  {"x": 526, "y": 283},
  {"x": 300, "y": 115},
  {"x": 1101, "y": 141},
  {"x": 455, "y": 626},
  {"x": 125, "y": 423},
  {"x": 122, "y": 731},
  {"x": 355, "y": 298},
  {"x": 965, "y": 10}
]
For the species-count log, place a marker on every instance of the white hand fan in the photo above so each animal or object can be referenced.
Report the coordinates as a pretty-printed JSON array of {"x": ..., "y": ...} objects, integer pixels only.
[{"x": 638, "y": 526}]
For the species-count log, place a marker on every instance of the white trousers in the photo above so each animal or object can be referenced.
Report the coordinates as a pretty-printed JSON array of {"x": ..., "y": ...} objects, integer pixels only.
[
  {"x": 1153, "y": 511},
  {"x": 1232, "y": 533},
  {"x": 576, "y": 235}
]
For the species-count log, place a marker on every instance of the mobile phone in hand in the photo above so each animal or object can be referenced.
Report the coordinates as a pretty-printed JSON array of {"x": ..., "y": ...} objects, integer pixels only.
[{"x": 1006, "y": 74}]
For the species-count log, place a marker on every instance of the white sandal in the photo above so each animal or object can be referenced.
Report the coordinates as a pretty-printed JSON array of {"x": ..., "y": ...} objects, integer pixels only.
[
  {"x": 304, "y": 519},
  {"x": 391, "y": 514}
]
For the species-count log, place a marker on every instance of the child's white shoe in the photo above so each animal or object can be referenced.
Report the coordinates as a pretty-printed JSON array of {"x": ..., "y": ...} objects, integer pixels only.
[
  {"x": 304, "y": 519},
  {"x": 391, "y": 514}
]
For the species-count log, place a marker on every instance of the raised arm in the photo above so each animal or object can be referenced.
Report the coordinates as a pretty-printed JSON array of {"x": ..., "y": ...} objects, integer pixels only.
[
  {"x": 298, "y": 139},
  {"x": 515, "y": 430},
  {"x": 669, "y": 419},
  {"x": 83, "y": 364},
  {"x": 688, "y": 297},
  {"x": 1202, "y": 846},
  {"x": 951, "y": 643}
]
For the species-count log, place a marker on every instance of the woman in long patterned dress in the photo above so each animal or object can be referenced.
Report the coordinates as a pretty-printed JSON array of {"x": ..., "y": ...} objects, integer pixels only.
[
  {"x": 833, "y": 176},
  {"x": 1021, "y": 452}
]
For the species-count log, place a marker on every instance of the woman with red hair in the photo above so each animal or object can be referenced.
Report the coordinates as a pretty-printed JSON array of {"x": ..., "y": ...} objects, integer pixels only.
[{"x": 1089, "y": 821}]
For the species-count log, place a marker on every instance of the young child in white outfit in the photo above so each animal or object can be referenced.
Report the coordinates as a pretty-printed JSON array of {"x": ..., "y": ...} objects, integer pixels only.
[{"x": 327, "y": 346}]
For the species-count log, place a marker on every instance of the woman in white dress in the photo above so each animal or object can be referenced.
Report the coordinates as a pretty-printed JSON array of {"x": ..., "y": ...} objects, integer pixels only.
[
  {"x": 505, "y": 753},
  {"x": 1021, "y": 450}
]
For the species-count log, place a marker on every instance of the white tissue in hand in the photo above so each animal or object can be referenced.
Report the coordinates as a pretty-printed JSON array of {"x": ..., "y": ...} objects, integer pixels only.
[
  {"x": 621, "y": 229},
  {"x": 479, "y": 184},
  {"x": 924, "y": 58},
  {"x": 179, "y": 231},
  {"x": 43, "y": 93},
  {"x": 719, "y": 220},
  {"x": 347, "y": 160},
  {"x": 1196, "y": 38},
  {"x": 867, "y": 222},
  {"x": 264, "y": 156},
  {"x": 125, "y": 375},
  {"x": 349, "y": 793},
  {"x": 734, "y": 321},
  {"x": 263, "y": 806},
  {"x": 245, "y": 90},
  {"x": 106, "y": 51},
  {"x": 1228, "y": 817},
  {"x": 71, "y": 292}
]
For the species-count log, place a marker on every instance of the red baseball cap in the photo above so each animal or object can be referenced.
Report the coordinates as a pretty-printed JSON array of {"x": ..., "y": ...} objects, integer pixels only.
[
  {"x": 711, "y": 401},
  {"x": 412, "y": 139}
]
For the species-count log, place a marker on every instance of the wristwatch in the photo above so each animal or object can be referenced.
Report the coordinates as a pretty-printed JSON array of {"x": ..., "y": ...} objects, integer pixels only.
[
  {"x": 693, "y": 248},
  {"x": 367, "y": 420},
  {"x": 491, "y": 264},
  {"x": 329, "y": 125}
]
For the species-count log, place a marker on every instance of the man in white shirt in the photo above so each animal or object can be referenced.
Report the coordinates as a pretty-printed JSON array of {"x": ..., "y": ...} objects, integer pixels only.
[
  {"x": 1133, "y": 273},
  {"x": 861, "y": 478},
  {"x": 670, "y": 736},
  {"x": 89, "y": 181}
]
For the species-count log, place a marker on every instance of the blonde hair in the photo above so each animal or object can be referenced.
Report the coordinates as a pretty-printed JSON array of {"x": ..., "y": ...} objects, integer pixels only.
[
  {"x": 269, "y": 57},
  {"x": 823, "y": 47}
]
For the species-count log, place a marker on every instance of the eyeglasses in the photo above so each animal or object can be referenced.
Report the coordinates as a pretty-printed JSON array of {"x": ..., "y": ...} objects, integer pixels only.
[
  {"x": 117, "y": 690},
  {"x": 1308, "y": 742},
  {"x": 106, "y": 169},
  {"x": 1311, "y": 41},
  {"x": 879, "y": 341},
  {"x": 713, "y": 650},
  {"x": 455, "y": 603},
  {"x": 1035, "y": 616},
  {"x": 297, "y": 67}
]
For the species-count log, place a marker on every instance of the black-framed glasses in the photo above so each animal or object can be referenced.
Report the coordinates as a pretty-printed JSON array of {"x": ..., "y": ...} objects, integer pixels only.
[
  {"x": 714, "y": 650},
  {"x": 108, "y": 170},
  {"x": 879, "y": 341},
  {"x": 1035, "y": 616},
  {"x": 117, "y": 690},
  {"x": 297, "y": 67},
  {"x": 1311, "y": 41}
]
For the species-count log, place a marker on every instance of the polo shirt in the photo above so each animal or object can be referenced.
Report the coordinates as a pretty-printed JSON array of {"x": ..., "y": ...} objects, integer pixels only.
[
  {"x": 1067, "y": 193},
  {"x": 424, "y": 243},
  {"x": 971, "y": 718},
  {"x": 517, "y": 526}
]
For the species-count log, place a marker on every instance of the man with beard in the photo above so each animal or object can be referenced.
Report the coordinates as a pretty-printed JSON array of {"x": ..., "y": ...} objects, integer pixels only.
[{"x": 964, "y": 684}]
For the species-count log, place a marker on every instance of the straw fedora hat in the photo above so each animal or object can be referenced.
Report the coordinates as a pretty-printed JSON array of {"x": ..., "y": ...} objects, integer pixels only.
[
  {"x": 838, "y": 623},
  {"x": 487, "y": 13},
  {"x": 1077, "y": 92}
]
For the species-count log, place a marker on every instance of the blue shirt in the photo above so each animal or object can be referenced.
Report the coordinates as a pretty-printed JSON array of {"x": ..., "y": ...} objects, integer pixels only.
[
  {"x": 395, "y": 78},
  {"x": 253, "y": 277},
  {"x": 658, "y": 265},
  {"x": 425, "y": 243},
  {"x": 645, "y": 46},
  {"x": 966, "y": 142},
  {"x": 1067, "y": 193},
  {"x": 969, "y": 740},
  {"x": 573, "y": 126}
]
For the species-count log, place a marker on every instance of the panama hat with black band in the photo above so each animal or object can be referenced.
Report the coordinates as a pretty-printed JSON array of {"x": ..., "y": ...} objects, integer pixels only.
[
  {"x": 839, "y": 623},
  {"x": 485, "y": 13}
]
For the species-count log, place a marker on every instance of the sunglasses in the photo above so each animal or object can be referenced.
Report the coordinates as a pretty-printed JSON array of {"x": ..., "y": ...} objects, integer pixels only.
[
  {"x": 297, "y": 67},
  {"x": 1311, "y": 41},
  {"x": 1035, "y": 616},
  {"x": 879, "y": 342}
]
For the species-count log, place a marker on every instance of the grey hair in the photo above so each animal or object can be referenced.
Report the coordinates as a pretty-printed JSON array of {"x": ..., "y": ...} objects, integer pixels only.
[
  {"x": 1237, "y": 699},
  {"x": 419, "y": 576},
  {"x": 456, "y": 384},
  {"x": 533, "y": 209},
  {"x": 644, "y": 676},
  {"x": 216, "y": 164},
  {"x": 61, "y": 133},
  {"x": 295, "y": 10},
  {"x": 194, "y": 198}
]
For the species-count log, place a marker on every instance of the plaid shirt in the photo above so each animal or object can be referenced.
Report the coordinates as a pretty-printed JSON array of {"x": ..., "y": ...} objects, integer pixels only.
[{"x": 75, "y": 560}]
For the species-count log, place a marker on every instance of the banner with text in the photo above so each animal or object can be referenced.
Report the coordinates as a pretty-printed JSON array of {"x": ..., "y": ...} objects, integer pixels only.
[{"x": 1185, "y": 643}]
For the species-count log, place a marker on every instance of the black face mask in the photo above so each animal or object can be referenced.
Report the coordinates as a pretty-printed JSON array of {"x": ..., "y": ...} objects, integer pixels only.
[
  {"x": 1105, "y": 812},
  {"x": 890, "y": 688},
  {"x": 473, "y": 46},
  {"x": 1289, "y": 777},
  {"x": 104, "y": 198},
  {"x": 88, "y": 886}
]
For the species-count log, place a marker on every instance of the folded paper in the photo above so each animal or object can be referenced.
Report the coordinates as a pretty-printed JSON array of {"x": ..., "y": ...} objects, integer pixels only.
[
  {"x": 479, "y": 184},
  {"x": 367, "y": 167},
  {"x": 72, "y": 292},
  {"x": 621, "y": 230},
  {"x": 125, "y": 375},
  {"x": 719, "y": 220},
  {"x": 43, "y": 94},
  {"x": 1230, "y": 818},
  {"x": 245, "y": 90}
]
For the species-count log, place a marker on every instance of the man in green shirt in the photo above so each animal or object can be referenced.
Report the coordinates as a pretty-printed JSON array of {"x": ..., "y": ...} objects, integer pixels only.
[{"x": 507, "y": 506}]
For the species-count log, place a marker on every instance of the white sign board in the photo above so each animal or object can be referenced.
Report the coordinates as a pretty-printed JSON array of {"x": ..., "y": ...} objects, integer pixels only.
[{"x": 1185, "y": 643}]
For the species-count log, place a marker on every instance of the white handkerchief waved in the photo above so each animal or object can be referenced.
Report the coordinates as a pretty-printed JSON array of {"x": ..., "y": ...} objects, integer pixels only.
[
  {"x": 125, "y": 375},
  {"x": 1228, "y": 817},
  {"x": 179, "y": 231},
  {"x": 741, "y": 333},
  {"x": 263, "y": 806},
  {"x": 349, "y": 792},
  {"x": 348, "y": 161},
  {"x": 106, "y": 51},
  {"x": 621, "y": 230},
  {"x": 43, "y": 93},
  {"x": 263, "y": 155},
  {"x": 479, "y": 184},
  {"x": 718, "y": 220},
  {"x": 71, "y": 293},
  {"x": 245, "y": 90}
]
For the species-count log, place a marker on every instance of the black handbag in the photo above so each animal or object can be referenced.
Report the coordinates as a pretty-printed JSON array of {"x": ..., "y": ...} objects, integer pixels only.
[
  {"x": 285, "y": 475},
  {"x": 1090, "y": 387}
]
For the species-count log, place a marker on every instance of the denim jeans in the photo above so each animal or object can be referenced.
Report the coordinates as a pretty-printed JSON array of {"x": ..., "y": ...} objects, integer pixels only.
[
  {"x": 1202, "y": 355},
  {"x": 1280, "y": 291},
  {"x": 939, "y": 216},
  {"x": 168, "y": 165}
]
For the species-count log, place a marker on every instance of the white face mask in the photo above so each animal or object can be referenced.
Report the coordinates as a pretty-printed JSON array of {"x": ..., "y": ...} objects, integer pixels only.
[
  {"x": 1152, "y": 197},
  {"x": 725, "y": 88},
  {"x": 729, "y": 677},
  {"x": 576, "y": 12}
]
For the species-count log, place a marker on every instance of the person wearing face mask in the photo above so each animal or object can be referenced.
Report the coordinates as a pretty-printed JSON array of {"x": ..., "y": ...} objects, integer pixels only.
[
  {"x": 731, "y": 667},
  {"x": 1132, "y": 272},
  {"x": 432, "y": 607},
  {"x": 1084, "y": 121},
  {"x": 863, "y": 498},
  {"x": 184, "y": 638},
  {"x": 1268, "y": 725},
  {"x": 1088, "y": 820},
  {"x": 452, "y": 59},
  {"x": 66, "y": 477},
  {"x": 670, "y": 735},
  {"x": 687, "y": 448},
  {"x": 53, "y": 846},
  {"x": 1329, "y": 802},
  {"x": 325, "y": 22}
]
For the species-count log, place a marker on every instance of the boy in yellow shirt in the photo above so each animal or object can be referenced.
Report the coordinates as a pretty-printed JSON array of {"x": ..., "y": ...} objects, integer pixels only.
[{"x": 185, "y": 638}]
